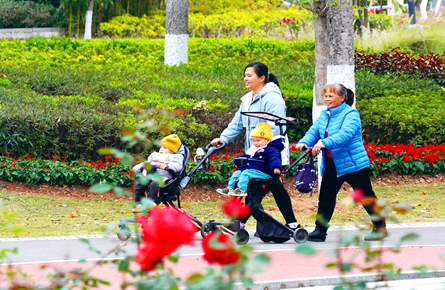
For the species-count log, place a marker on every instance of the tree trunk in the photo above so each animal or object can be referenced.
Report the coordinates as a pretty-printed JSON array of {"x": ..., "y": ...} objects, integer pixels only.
[
  {"x": 176, "y": 32},
  {"x": 340, "y": 34},
  {"x": 423, "y": 14},
  {"x": 436, "y": 10},
  {"x": 71, "y": 21},
  {"x": 89, "y": 19}
]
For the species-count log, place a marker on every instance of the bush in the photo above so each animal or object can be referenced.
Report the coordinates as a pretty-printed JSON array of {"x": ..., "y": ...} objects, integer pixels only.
[
  {"x": 36, "y": 125},
  {"x": 131, "y": 26},
  {"x": 25, "y": 14},
  {"x": 404, "y": 117},
  {"x": 431, "y": 66},
  {"x": 119, "y": 76}
]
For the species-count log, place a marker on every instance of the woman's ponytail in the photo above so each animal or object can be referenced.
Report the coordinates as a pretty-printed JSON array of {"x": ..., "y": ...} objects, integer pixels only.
[{"x": 349, "y": 97}]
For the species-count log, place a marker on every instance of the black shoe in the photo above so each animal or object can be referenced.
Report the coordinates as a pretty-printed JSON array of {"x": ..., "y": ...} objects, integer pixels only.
[
  {"x": 377, "y": 234},
  {"x": 318, "y": 235}
]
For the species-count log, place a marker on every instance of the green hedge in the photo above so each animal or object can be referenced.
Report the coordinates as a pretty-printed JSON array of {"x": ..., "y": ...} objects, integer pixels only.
[
  {"x": 71, "y": 97},
  {"x": 25, "y": 14},
  {"x": 110, "y": 78}
]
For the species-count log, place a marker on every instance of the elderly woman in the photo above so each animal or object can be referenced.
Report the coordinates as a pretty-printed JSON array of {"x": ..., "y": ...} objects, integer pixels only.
[
  {"x": 264, "y": 96},
  {"x": 338, "y": 131}
]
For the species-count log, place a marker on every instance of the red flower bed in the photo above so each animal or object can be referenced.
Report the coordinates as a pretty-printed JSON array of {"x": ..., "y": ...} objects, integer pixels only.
[{"x": 406, "y": 159}]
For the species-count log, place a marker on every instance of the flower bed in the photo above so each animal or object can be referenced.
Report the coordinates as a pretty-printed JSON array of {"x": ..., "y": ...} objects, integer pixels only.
[
  {"x": 406, "y": 159},
  {"x": 400, "y": 159},
  {"x": 55, "y": 170}
]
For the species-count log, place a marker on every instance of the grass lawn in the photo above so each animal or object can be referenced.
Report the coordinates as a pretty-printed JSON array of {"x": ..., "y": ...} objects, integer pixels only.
[{"x": 39, "y": 216}]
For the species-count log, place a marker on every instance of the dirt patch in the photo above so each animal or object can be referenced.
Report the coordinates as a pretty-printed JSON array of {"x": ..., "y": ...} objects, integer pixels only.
[{"x": 199, "y": 193}]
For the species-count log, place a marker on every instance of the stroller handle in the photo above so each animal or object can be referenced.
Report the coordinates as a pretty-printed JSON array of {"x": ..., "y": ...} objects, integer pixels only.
[{"x": 210, "y": 148}]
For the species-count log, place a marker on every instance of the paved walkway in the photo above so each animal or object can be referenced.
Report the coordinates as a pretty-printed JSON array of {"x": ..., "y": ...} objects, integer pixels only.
[{"x": 289, "y": 270}]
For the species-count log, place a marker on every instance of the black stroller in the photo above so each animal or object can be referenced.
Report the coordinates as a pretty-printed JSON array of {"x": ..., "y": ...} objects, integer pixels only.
[
  {"x": 268, "y": 228},
  {"x": 171, "y": 191}
]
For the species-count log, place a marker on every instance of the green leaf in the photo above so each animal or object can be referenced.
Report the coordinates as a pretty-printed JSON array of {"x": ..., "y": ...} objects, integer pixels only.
[
  {"x": 248, "y": 282},
  {"x": 195, "y": 278},
  {"x": 119, "y": 190},
  {"x": 305, "y": 249},
  {"x": 101, "y": 188},
  {"x": 409, "y": 237},
  {"x": 105, "y": 151},
  {"x": 123, "y": 265},
  {"x": 261, "y": 258},
  {"x": 173, "y": 258}
]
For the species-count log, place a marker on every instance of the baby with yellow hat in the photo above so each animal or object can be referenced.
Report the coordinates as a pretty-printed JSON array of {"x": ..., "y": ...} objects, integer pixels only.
[
  {"x": 167, "y": 159},
  {"x": 264, "y": 161}
]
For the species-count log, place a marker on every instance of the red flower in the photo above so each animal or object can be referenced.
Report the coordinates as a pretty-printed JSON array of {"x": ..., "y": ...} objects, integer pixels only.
[
  {"x": 164, "y": 230},
  {"x": 219, "y": 249},
  {"x": 235, "y": 209},
  {"x": 358, "y": 195}
]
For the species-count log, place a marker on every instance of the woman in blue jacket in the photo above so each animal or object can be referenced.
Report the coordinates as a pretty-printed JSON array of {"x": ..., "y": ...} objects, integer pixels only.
[
  {"x": 338, "y": 131},
  {"x": 264, "y": 96}
]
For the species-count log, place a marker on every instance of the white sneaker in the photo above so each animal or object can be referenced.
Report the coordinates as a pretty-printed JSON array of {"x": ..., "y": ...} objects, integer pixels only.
[
  {"x": 225, "y": 191},
  {"x": 239, "y": 192}
]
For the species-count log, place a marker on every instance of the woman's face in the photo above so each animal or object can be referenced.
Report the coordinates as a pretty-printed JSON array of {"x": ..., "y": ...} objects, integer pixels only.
[
  {"x": 251, "y": 79},
  {"x": 333, "y": 100}
]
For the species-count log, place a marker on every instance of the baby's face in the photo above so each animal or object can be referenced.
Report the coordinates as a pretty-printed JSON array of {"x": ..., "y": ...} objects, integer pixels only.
[
  {"x": 165, "y": 150},
  {"x": 260, "y": 142}
]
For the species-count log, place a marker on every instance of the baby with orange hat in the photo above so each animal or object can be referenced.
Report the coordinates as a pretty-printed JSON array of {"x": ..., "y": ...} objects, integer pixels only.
[
  {"x": 264, "y": 161},
  {"x": 169, "y": 159}
]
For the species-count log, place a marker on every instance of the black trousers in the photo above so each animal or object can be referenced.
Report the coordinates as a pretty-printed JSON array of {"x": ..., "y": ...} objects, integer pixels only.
[
  {"x": 282, "y": 200},
  {"x": 331, "y": 184},
  {"x": 150, "y": 190}
]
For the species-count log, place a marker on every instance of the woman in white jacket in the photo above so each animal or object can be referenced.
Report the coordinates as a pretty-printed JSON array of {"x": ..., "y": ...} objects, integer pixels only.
[{"x": 264, "y": 96}]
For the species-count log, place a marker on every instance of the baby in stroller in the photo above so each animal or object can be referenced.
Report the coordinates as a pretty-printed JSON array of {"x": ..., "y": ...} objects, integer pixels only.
[
  {"x": 169, "y": 162},
  {"x": 263, "y": 160}
]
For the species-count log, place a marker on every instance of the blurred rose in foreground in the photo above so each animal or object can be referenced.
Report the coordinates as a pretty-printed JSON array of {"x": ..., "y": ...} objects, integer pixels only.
[
  {"x": 235, "y": 209},
  {"x": 219, "y": 249},
  {"x": 163, "y": 231}
]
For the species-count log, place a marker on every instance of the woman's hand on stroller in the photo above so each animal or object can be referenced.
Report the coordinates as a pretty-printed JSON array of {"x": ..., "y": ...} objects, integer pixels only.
[
  {"x": 217, "y": 142},
  {"x": 317, "y": 148},
  {"x": 300, "y": 146}
]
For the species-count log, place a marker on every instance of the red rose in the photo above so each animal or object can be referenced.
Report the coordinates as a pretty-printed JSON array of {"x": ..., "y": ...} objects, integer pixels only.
[
  {"x": 219, "y": 249},
  {"x": 235, "y": 209},
  {"x": 358, "y": 195},
  {"x": 164, "y": 230}
]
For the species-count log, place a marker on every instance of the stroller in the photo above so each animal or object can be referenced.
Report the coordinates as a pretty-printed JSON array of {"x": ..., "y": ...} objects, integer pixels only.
[
  {"x": 268, "y": 228},
  {"x": 171, "y": 191}
]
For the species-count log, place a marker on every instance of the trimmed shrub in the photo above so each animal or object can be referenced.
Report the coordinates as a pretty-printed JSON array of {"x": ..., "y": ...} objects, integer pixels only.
[{"x": 25, "y": 14}]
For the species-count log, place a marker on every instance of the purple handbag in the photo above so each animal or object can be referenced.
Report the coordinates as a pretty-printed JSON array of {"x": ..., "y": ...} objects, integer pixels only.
[{"x": 306, "y": 176}]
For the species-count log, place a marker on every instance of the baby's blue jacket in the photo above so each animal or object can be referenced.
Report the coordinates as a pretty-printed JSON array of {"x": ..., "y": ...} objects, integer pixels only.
[{"x": 271, "y": 154}]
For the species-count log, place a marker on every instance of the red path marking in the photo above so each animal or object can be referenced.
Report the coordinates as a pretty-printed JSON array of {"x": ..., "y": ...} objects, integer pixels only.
[{"x": 285, "y": 264}]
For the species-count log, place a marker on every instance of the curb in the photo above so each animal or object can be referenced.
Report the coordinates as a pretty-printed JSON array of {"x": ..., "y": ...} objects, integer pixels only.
[{"x": 336, "y": 280}]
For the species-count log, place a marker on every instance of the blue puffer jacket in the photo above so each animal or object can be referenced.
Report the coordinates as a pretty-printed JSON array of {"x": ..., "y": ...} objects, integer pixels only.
[
  {"x": 269, "y": 100},
  {"x": 344, "y": 138},
  {"x": 271, "y": 154}
]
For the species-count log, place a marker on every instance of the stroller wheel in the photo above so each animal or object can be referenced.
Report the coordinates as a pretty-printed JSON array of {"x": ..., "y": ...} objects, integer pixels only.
[
  {"x": 123, "y": 233},
  {"x": 301, "y": 235},
  {"x": 264, "y": 240},
  {"x": 242, "y": 237},
  {"x": 206, "y": 229}
]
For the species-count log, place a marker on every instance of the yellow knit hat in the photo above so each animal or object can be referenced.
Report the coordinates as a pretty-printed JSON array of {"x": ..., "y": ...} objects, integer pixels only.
[
  {"x": 171, "y": 142},
  {"x": 262, "y": 130}
]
